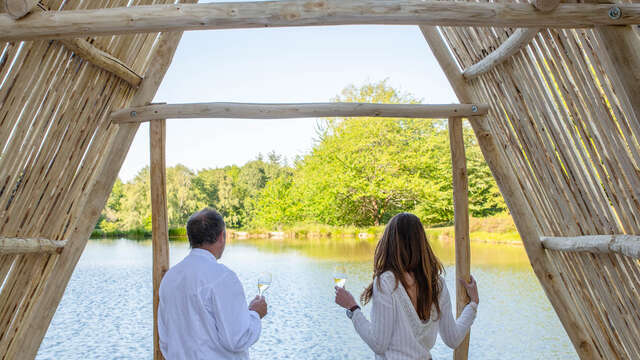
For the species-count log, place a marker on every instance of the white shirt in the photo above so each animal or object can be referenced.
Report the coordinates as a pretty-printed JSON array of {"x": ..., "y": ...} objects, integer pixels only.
[
  {"x": 395, "y": 330},
  {"x": 203, "y": 312}
]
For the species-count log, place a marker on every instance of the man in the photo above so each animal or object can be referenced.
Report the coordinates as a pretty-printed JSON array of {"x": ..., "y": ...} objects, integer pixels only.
[{"x": 203, "y": 312}]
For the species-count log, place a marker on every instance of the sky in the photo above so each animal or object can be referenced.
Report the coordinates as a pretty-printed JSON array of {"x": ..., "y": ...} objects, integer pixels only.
[{"x": 305, "y": 64}]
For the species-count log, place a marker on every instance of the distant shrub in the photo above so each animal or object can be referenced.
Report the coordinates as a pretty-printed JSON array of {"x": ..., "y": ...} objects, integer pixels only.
[{"x": 178, "y": 231}]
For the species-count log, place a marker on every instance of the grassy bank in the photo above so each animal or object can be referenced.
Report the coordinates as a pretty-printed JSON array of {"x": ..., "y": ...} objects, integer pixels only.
[{"x": 495, "y": 229}]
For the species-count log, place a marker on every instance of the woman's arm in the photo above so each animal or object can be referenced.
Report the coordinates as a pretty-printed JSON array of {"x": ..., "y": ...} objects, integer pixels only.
[
  {"x": 377, "y": 332},
  {"x": 454, "y": 331}
]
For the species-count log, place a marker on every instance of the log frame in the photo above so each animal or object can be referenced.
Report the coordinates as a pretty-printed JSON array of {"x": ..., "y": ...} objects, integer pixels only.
[
  {"x": 181, "y": 17},
  {"x": 288, "y": 111}
]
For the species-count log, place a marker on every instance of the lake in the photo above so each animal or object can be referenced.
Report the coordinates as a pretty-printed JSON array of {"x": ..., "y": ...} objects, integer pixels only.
[{"x": 106, "y": 311}]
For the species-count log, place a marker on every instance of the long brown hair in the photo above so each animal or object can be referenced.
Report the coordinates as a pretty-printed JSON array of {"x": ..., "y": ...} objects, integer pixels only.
[{"x": 402, "y": 249}]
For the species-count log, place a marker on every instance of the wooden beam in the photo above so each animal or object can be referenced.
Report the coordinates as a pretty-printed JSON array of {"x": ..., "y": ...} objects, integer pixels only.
[
  {"x": 516, "y": 41},
  {"x": 622, "y": 45},
  {"x": 461, "y": 223},
  {"x": 260, "y": 14},
  {"x": 628, "y": 245},
  {"x": 518, "y": 206},
  {"x": 289, "y": 111},
  {"x": 519, "y": 39},
  {"x": 99, "y": 58},
  {"x": 10, "y": 246},
  {"x": 159, "y": 219},
  {"x": 103, "y": 60},
  {"x": 16, "y": 9},
  {"x": 29, "y": 337}
]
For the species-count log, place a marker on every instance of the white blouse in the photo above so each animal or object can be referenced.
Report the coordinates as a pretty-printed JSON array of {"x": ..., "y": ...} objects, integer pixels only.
[{"x": 396, "y": 331}]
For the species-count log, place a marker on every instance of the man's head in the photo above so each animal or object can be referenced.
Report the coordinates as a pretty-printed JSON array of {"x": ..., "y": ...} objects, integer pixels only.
[{"x": 206, "y": 230}]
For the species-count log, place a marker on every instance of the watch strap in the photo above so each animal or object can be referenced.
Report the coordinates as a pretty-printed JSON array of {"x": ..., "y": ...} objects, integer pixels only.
[{"x": 354, "y": 308}]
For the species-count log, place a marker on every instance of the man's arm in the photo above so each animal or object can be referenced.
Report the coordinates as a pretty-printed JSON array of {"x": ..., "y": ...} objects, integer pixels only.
[{"x": 238, "y": 327}]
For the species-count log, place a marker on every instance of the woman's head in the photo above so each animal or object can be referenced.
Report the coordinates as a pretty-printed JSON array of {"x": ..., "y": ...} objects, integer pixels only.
[{"x": 403, "y": 249}]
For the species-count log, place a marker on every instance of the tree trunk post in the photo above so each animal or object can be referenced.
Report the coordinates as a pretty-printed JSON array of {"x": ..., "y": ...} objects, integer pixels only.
[
  {"x": 461, "y": 218},
  {"x": 160, "y": 233}
]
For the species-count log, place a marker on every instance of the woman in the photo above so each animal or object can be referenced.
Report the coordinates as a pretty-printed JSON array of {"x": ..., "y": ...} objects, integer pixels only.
[{"x": 410, "y": 299}]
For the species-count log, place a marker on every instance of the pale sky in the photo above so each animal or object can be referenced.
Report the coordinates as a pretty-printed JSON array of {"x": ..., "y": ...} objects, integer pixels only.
[{"x": 306, "y": 64}]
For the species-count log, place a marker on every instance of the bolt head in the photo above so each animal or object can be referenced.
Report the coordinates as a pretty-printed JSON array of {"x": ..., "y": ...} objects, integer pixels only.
[
  {"x": 133, "y": 114},
  {"x": 474, "y": 108},
  {"x": 615, "y": 13}
]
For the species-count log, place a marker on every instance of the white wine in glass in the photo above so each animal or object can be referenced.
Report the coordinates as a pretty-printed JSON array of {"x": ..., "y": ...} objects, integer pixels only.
[
  {"x": 264, "y": 281},
  {"x": 339, "y": 275}
]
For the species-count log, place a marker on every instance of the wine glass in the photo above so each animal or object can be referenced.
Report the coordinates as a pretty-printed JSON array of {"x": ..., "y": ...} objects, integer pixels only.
[
  {"x": 339, "y": 275},
  {"x": 264, "y": 281}
]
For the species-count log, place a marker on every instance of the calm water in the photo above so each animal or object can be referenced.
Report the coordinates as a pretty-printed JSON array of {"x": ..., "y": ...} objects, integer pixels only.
[{"x": 106, "y": 312}]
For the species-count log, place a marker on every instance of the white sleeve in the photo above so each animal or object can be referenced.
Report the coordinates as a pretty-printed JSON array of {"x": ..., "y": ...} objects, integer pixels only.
[
  {"x": 377, "y": 333},
  {"x": 453, "y": 331},
  {"x": 237, "y": 327}
]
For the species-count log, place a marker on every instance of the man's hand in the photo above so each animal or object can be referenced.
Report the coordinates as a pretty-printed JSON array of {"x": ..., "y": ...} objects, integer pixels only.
[{"x": 259, "y": 305}]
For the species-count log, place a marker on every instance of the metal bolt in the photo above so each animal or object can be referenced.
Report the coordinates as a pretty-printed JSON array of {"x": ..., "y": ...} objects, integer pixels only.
[
  {"x": 133, "y": 114},
  {"x": 474, "y": 108},
  {"x": 615, "y": 13}
]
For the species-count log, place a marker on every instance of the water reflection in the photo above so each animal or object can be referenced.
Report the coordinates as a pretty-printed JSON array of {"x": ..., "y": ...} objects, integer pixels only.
[
  {"x": 106, "y": 312},
  {"x": 483, "y": 254}
]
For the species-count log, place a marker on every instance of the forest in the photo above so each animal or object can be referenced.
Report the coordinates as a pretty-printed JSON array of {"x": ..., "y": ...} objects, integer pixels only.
[{"x": 360, "y": 172}]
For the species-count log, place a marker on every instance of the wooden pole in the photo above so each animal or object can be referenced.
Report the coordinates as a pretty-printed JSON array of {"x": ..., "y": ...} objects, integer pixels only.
[
  {"x": 159, "y": 219},
  {"x": 461, "y": 218},
  {"x": 30, "y": 245},
  {"x": 285, "y": 13},
  {"x": 287, "y": 111},
  {"x": 518, "y": 206}
]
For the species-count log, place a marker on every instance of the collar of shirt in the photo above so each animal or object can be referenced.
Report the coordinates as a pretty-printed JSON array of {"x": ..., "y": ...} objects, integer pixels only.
[{"x": 203, "y": 252}]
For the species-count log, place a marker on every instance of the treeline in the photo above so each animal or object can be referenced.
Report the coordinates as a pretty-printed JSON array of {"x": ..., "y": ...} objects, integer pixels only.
[{"x": 361, "y": 171}]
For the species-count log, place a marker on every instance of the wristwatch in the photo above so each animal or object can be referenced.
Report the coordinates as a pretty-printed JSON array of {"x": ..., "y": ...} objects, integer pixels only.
[{"x": 351, "y": 310}]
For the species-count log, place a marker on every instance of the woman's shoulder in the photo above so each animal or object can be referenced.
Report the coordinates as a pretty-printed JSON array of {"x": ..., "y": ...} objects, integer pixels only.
[{"x": 387, "y": 281}]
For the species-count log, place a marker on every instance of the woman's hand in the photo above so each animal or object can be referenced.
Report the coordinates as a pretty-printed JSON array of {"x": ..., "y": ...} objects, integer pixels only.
[
  {"x": 344, "y": 298},
  {"x": 472, "y": 289}
]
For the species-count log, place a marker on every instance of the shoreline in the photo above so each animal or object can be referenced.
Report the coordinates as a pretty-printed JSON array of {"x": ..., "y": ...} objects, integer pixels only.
[{"x": 441, "y": 234}]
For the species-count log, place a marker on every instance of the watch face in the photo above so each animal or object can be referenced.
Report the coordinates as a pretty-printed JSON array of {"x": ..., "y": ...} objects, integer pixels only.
[{"x": 349, "y": 313}]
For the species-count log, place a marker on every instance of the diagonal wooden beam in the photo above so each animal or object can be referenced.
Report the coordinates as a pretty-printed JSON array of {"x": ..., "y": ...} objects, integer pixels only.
[
  {"x": 103, "y": 60},
  {"x": 516, "y": 41},
  {"x": 519, "y": 39},
  {"x": 230, "y": 15},
  {"x": 288, "y": 111},
  {"x": 97, "y": 57}
]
